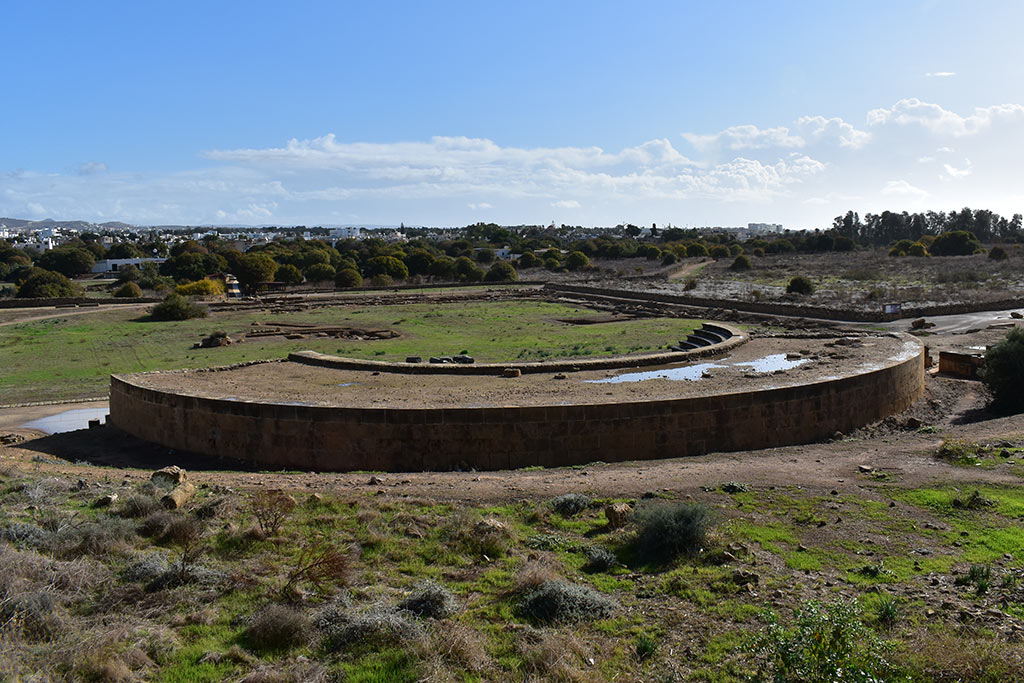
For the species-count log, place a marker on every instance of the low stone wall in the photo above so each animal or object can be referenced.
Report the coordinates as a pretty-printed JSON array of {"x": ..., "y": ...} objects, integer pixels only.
[
  {"x": 73, "y": 301},
  {"x": 784, "y": 309},
  {"x": 733, "y": 337},
  {"x": 339, "y": 438}
]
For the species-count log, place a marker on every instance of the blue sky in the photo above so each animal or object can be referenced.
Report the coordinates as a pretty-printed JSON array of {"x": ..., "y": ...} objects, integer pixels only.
[{"x": 448, "y": 113}]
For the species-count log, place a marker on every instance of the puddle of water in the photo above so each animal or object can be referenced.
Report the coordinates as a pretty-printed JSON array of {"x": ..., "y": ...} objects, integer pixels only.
[
  {"x": 347, "y": 384},
  {"x": 689, "y": 373},
  {"x": 68, "y": 421},
  {"x": 776, "y": 361},
  {"x": 693, "y": 373}
]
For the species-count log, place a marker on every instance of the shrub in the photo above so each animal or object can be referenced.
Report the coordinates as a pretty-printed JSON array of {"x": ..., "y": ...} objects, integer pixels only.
[
  {"x": 576, "y": 260},
  {"x": 529, "y": 260},
  {"x": 997, "y": 253},
  {"x": 553, "y": 264},
  {"x": 177, "y": 307},
  {"x": 386, "y": 265},
  {"x": 430, "y": 600},
  {"x": 502, "y": 271},
  {"x": 569, "y": 504},
  {"x": 139, "y": 505},
  {"x": 319, "y": 562},
  {"x": 741, "y": 263},
  {"x": 825, "y": 643},
  {"x": 696, "y": 249},
  {"x": 46, "y": 284},
  {"x": 382, "y": 280},
  {"x": 562, "y": 602},
  {"x": 376, "y": 627},
  {"x": 669, "y": 530},
  {"x": 321, "y": 272},
  {"x": 348, "y": 277},
  {"x": 918, "y": 249},
  {"x": 288, "y": 274},
  {"x": 279, "y": 628},
  {"x": 669, "y": 258},
  {"x": 887, "y": 610},
  {"x": 128, "y": 290},
  {"x": 155, "y": 524},
  {"x": 201, "y": 288},
  {"x": 271, "y": 509},
  {"x": 32, "y": 613},
  {"x": 956, "y": 243},
  {"x": 1003, "y": 373},
  {"x": 719, "y": 251},
  {"x": 24, "y": 535},
  {"x": 147, "y": 569},
  {"x": 105, "y": 536},
  {"x": 600, "y": 560},
  {"x": 800, "y": 285}
]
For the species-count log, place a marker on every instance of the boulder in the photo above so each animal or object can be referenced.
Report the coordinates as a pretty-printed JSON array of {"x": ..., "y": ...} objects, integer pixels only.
[
  {"x": 511, "y": 372},
  {"x": 178, "y": 496},
  {"x": 617, "y": 515},
  {"x": 169, "y": 477}
]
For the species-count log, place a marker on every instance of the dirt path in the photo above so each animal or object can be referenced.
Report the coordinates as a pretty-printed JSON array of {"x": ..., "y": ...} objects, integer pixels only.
[{"x": 10, "y": 316}]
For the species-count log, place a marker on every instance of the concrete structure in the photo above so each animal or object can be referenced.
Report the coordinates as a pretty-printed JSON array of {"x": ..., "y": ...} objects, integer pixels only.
[
  {"x": 339, "y": 438},
  {"x": 112, "y": 265}
]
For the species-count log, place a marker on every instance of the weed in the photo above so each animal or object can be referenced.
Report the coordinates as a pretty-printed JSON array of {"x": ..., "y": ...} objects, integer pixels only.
[
  {"x": 887, "y": 610},
  {"x": 975, "y": 501},
  {"x": 318, "y": 563},
  {"x": 979, "y": 576},
  {"x": 669, "y": 530},
  {"x": 645, "y": 645},
  {"x": 431, "y": 600},
  {"x": 31, "y": 613},
  {"x": 562, "y": 602},
  {"x": 105, "y": 536},
  {"x": 375, "y": 627},
  {"x": 271, "y": 508},
  {"x": 600, "y": 560},
  {"x": 138, "y": 505},
  {"x": 569, "y": 504},
  {"x": 278, "y": 628},
  {"x": 825, "y": 643}
]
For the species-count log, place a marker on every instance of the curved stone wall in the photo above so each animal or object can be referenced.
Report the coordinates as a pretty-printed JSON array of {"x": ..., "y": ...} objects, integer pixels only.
[{"x": 339, "y": 438}]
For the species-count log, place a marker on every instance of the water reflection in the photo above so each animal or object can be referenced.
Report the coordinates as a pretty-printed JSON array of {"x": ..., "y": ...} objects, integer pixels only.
[
  {"x": 692, "y": 373},
  {"x": 67, "y": 421}
]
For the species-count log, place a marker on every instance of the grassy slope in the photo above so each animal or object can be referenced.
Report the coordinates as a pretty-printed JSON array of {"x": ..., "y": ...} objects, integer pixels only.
[
  {"x": 688, "y": 619},
  {"x": 63, "y": 358}
]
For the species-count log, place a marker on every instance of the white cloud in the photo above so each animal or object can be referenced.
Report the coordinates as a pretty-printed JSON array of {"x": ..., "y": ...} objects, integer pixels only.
[
  {"x": 821, "y": 128},
  {"x": 959, "y": 172},
  {"x": 901, "y": 188},
  {"x": 91, "y": 167},
  {"x": 744, "y": 138},
  {"x": 940, "y": 74},
  {"x": 566, "y": 204},
  {"x": 479, "y": 205},
  {"x": 934, "y": 118}
]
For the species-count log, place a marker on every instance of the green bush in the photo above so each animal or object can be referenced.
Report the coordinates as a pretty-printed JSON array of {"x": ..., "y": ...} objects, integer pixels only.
[
  {"x": 669, "y": 258},
  {"x": 800, "y": 285},
  {"x": 569, "y": 504},
  {"x": 576, "y": 260},
  {"x": 430, "y": 600},
  {"x": 321, "y": 272},
  {"x": 1003, "y": 373},
  {"x": 669, "y": 530},
  {"x": 997, "y": 253},
  {"x": 502, "y": 271},
  {"x": 278, "y": 628},
  {"x": 560, "y": 602},
  {"x": 347, "y": 278},
  {"x": 741, "y": 263},
  {"x": 177, "y": 307},
  {"x": 956, "y": 243},
  {"x": 128, "y": 290},
  {"x": 529, "y": 260},
  {"x": 696, "y": 249},
  {"x": 46, "y": 284},
  {"x": 825, "y": 643},
  {"x": 719, "y": 251},
  {"x": 202, "y": 287},
  {"x": 288, "y": 274}
]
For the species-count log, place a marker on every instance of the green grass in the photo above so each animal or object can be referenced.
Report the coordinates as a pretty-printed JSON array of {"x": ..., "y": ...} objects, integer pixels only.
[{"x": 72, "y": 357}]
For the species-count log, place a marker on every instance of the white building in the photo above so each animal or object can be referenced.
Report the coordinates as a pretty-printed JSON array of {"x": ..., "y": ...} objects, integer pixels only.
[
  {"x": 344, "y": 233},
  {"x": 764, "y": 227},
  {"x": 113, "y": 264}
]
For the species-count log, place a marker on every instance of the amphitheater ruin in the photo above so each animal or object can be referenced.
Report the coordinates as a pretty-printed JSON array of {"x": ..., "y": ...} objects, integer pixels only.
[{"x": 720, "y": 390}]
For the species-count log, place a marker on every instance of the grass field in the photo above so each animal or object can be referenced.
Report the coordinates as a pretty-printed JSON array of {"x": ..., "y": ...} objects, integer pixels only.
[
  {"x": 72, "y": 357},
  {"x": 214, "y": 592}
]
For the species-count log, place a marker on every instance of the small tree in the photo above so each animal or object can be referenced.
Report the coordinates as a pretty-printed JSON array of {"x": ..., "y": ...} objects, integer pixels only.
[
  {"x": 128, "y": 290},
  {"x": 800, "y": 285},
  {"x": 741, "y": 263},
  {"x": 576, "y": 260},
  {"x": 956, "y": 243},
  {"x": 177, "y": 307},
  {"x": 347, "y": 278},
  {"x": 271, "y": 509},
  {"x": 502, "y": 271},
  {"x": 320, "y": 272},
  {"x": 46, "y": 284},
  {"x": 288, "y": 274},
  {"x": 1003, "y": 373}
]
